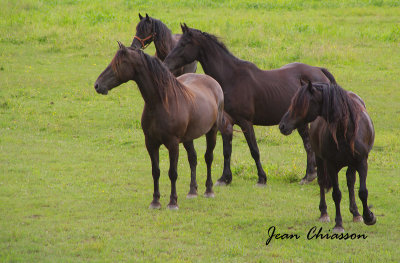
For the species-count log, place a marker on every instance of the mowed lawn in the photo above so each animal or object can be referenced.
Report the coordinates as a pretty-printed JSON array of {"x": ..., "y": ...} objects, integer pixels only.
[{"x": 75, "y": 178}]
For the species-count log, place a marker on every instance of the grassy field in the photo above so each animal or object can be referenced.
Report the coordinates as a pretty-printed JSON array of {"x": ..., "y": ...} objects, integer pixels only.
[{"x": 75, "y": 179}]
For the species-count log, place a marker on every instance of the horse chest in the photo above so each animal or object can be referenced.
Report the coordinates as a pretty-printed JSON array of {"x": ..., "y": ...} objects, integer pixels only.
[
  {"x": 326, "y": 148},
  {"x": 162, "y": 127}
]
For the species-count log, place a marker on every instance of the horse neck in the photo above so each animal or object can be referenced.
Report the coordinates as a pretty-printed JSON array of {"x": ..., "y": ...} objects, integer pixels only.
[
  {"x": 147, "y": 88},
  {"x": 218, "y": 64},
  {"x": 163, "y": 41}
]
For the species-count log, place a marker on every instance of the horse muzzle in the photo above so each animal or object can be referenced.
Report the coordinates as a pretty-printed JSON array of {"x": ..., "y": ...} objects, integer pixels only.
[
  {"x": 100, "y": 90},
  {"x": 285, "y": 130}
]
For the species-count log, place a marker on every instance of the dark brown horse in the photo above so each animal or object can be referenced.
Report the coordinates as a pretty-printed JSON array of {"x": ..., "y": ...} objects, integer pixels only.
[
  {"x": 341, "y": 135},
  {"x": 176, "y": 110},
  {"x": 252, "y": 96},
  {"x": 153, "y": 30}
]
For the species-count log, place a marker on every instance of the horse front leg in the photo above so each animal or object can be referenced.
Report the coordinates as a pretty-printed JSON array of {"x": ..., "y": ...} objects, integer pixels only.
[
  {"x": 337, "y": 197},
  {"x": 368, "y": 216},
  {"x": 247, "y": 128},
  {"x": 351, "y": 179},
  {"x": 192, "y": 158},
  {"x": 153, "y": 150},
  {"x": 323, "y": 184},
  {"x": 173, "y": 149},
  {"x": 211, "y": 138},
  {"x": 310, "y": 169}
]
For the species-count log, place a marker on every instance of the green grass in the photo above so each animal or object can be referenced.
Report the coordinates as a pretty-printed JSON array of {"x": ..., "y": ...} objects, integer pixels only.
[{"x": 75, "y": 178}]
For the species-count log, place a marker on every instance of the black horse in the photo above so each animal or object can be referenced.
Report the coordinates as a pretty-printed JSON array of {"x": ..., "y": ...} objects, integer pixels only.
[
  {"x": 153, "y": 30},
  {"x": 252, "y": 96},
  {"x": 341, "y": 135}
]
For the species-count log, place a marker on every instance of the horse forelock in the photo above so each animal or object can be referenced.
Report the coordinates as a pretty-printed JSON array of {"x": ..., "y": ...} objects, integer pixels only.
[{"x": 300, "y": 102}]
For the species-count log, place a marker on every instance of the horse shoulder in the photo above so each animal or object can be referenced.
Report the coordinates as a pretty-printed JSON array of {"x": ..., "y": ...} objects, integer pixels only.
[{"x": 320, "y": 137}]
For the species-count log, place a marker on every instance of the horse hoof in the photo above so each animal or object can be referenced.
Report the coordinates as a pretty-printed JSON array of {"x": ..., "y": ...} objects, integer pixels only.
[
  {"x": 155, "y": 205},
  {"x": 370, "y": 222},
  {"x": 173, "y": 207},
  {"x": 220, "y": 183},
  {"x": 338, "y": 229},
  {"x": 324, "y": 219},
  {"x": 261, "y": 185},
  {"x": 308, "y": 178},
  {"x": 209, "y": 195},
  {"x": 357, "y": 219},
  {"x": 311, "y": 177},
  {"x": 303, "y": 181},
  {"x": 191, "y": 196}
]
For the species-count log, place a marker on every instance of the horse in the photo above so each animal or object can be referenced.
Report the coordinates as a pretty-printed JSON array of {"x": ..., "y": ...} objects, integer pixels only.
[
  {"x": 176, "y": 110},
  {"x": 252, "y": 96},
  {"x": 150, "y": 29},
  {"x": 342, "y": 134}
]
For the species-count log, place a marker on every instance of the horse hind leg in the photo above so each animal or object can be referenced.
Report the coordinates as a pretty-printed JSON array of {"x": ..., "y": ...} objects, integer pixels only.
[
  {"x": 211, "y": 138},
  {"x": 368, "y": 216},
  {"x": 248, "y": 131},
  {"x": 192, "y": 158},
  {"x": 311, "y": 174},
  {"x": 351, "y": 179}
]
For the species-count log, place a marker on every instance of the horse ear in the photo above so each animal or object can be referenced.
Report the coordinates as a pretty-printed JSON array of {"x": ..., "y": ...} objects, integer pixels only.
[
  {"x": 121, "y": 46},
  {"x": 147, "y": 17},
  {"x": 140, "y": 16},
  {"x": 186, "y": 28},
  {"x": 183, "y": 28},
  {"x": 310, "y": 87}
]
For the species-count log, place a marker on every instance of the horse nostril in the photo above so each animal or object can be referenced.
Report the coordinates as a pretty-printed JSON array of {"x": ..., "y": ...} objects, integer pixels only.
[
  {"x": 281, "y": 126},
  {"x": 96, "y": 86}
]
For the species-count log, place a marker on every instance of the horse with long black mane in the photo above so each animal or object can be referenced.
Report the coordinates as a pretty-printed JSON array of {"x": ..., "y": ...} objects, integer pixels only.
[
  {"x": 176, "y": 110},
  {"x": 252, "y": 96},
  {"x": 153, "y": 30},
  {"x": 342, "y": 134}
]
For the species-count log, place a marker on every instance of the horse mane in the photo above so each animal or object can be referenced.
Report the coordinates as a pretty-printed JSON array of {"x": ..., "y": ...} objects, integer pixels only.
[
  {"x": 164, "y": 81},
  {"x": 338, "y": 109},
  {"x": 163, "y": 34},
  {"x": 211, "y": 42}
]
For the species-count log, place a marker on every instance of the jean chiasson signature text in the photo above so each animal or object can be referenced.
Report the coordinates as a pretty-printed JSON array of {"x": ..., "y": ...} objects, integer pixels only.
[{"x": 313, "y": 233}]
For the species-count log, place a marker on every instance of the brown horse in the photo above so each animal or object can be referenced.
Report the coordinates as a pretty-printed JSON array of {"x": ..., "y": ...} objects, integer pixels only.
[
  {"x": 176, "y": 110},
  {"x": 153, "y": 30},
  {"x": 341, "y": 135},
  {"x": 252, "y": 96}
]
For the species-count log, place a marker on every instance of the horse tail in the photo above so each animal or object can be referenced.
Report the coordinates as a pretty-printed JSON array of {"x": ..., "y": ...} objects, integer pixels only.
[
  {"x": 323, "y": 178},
  {"x": 329, "y": 75},
  {"x": 223, "y": 120}
]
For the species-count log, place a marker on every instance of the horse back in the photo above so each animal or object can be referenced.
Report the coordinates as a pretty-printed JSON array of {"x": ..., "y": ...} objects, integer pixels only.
[{"x": 251, "y": 88}]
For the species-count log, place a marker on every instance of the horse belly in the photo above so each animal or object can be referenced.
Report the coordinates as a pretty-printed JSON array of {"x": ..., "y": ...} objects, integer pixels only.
[{"x": 202, "y": 120}]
